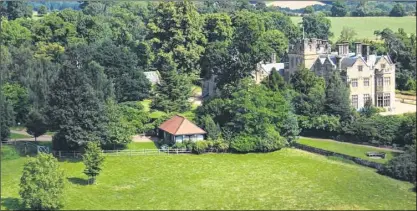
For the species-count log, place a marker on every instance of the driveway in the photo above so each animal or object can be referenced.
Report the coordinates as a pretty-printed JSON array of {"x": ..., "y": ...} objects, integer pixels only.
[
  {"x": 400, "y": 108},
  {"x": 40, "y": 138}
]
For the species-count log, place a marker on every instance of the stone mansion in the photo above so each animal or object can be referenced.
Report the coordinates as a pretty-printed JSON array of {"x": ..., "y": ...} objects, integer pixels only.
[{"x": 370, "y": 77}]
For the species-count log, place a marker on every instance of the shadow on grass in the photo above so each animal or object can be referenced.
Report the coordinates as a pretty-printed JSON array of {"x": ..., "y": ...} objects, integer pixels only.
[
  {"x": 77, "y": 181},
  {"x": 12, "y": 204}
]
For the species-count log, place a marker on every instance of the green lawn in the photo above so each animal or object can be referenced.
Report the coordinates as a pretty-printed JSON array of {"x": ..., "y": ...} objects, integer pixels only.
[
  {"x": 347, "y": 148},
  {"x": 18, "y": 136},
  {"x": 287, "y": 179},
  {"x": 141, "y": 145},
  {"x": 365, "y": 26},
  {"x": 157, "y": 114}
]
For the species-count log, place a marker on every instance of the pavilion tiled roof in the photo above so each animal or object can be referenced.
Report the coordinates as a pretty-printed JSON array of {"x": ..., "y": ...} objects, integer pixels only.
[{"x": 179, "y": 125}]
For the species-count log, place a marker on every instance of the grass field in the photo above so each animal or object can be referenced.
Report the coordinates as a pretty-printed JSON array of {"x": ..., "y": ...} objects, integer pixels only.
[
  {"x": 365, "y": 26},
  {"x": 141, "y": 145},
  {"x": 287, "y": 179},
  {"x": 157, "y": 114},
  {"x": 18, "y": 136},
  {"x": 347, "y": 148}
]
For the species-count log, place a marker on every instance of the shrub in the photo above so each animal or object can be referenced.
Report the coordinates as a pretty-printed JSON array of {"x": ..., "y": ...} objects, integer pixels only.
[
  {"x": 42, "y": 183},
  {"x": 402, "y": 167},
  {"x": 243, "y": 144},
  {"x": 210, "y": 145},
  {"x": 220, "y": 145},
  {"x": 179, "y": 145},
  {"x": 271, "y": 141},
  {"x": 9, "y": 153},
  {"x": 223, "y": 147},
  {"x": 199, "y": 147}
]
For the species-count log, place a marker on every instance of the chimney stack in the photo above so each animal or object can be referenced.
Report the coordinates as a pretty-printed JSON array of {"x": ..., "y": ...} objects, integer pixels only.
[
  {"x": 358, "y": 49},
  {"x": 345, "y": 48},
  {"x": 365, "y": 50},
  {"x": 273, "y": 58}
]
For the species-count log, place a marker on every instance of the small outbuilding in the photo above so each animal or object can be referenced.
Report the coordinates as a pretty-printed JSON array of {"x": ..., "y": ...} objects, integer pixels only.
[{"x": 179, "y": 129}]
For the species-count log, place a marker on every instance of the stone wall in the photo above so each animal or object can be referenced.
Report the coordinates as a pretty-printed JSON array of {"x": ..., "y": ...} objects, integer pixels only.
[{"x": 347, "y": 157}]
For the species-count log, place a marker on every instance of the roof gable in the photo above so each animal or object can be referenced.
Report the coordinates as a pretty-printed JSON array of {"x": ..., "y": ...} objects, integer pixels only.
[
  {"x": 382, "y": 58},
  {"x": 179, "y": 125}
]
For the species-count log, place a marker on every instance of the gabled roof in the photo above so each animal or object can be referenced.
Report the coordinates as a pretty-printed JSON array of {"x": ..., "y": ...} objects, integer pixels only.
[
  {"x": 267, "y": 67},
  {"x": 179, "y": 125}
]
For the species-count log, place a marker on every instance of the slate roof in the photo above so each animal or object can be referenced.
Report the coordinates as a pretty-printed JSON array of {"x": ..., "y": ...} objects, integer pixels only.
[
  {"x": 348, "y": 62},
  {"x": 179, "y": 125},
  {"x": 268, "y": 67}
]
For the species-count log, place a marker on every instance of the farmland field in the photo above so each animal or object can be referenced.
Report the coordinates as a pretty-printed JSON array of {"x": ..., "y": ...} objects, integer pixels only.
[
  {"x": 286, "y": 179},
  {"x": 365, "y": 26},
  {"x": 354, "y": 150}
]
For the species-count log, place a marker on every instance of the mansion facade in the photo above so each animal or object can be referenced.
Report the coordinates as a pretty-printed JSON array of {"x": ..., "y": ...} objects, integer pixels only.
[{"x": 369, "y": 76}]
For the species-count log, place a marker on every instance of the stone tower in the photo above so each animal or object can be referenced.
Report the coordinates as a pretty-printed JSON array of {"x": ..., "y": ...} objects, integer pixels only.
[{"x": 305, "y": 52}]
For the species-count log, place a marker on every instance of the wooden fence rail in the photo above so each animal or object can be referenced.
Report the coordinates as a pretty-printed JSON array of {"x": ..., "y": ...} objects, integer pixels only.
[{"x": 78, "y": 154}]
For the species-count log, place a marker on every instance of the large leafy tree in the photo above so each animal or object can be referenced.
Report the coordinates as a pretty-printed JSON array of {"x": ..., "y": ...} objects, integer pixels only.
[
  {"x": 253, "y": 110},
  {"x": 120, "y": 65},
  {"x": 361, "y": 10},
  {"x": 250, "y": 45},
  {"x": 338, "y": 9},
  {"x": 337, "y": 97},
  {"x": 176, "y": 28},
  {"x": 18, "y": 97},
  {"x": 172, "y": 94},
  {"x": 347, "y": 34},
  {"x": 18, "y": 9},
  {"x": 74, "y": 110},
  {"x": 53, "y": 28},
  {"x": 36, "y": 124},
  {"x": 310, "y": 89},
  {"x": 397, "y": 11},
  {"x": 275, "y": 81},
  {"x": 402, "y": 50},
  {"x": 118, "y": 130},
  {"x": 6, "y": 118},
  {"x": 282, "y": 22},
  {"x": 42, "y": 183},
  {"x": 13, "y": 33},
  {"x": 317, "y": 26}
]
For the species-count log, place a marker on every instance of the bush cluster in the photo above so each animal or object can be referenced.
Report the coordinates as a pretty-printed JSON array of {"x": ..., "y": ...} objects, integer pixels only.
[
  {"x": 200, "y": 147},
  {"x": 268, "y": 143},
  {"x": 402, "y": 167}
]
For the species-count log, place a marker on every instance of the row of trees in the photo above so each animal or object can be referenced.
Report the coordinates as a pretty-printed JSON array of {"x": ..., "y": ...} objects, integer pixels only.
[{"x": 363, "y": 8}]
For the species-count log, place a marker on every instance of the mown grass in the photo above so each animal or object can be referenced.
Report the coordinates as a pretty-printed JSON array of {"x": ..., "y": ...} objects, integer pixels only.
[
  {"x": 140, "y": 145},
  {"x": 157, "y": 114},
  {"x": 287, "y": 179},
  {"x": 354, "y": 150},
  {"x": 365, "y": 26},
  {"x": 18, "y": 136}
]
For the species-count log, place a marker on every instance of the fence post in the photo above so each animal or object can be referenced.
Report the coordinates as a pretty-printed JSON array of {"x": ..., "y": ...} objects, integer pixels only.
[
  {"x": 177, "y": 151},
  {"x": 144, "y": 151}
]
